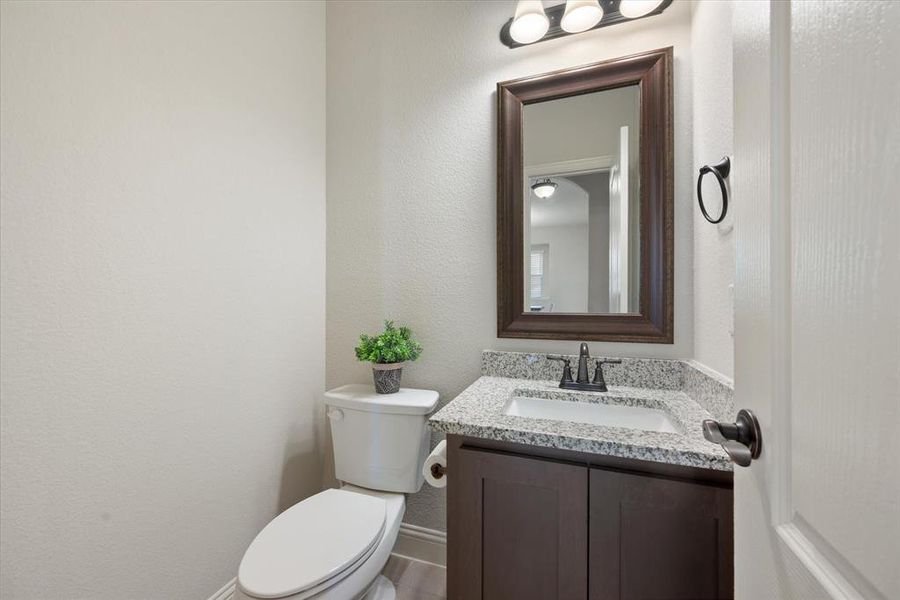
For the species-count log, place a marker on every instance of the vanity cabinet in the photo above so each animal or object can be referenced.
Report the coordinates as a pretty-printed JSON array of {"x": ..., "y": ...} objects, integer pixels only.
[
  {"x": 519, "y": 527},
  {"x": 536, "y": 523},
  {"x": 656, "y": 537}
]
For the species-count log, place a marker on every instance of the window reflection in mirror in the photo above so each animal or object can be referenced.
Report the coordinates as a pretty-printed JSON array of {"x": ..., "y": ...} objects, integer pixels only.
[{"x": 582, "y": 208}]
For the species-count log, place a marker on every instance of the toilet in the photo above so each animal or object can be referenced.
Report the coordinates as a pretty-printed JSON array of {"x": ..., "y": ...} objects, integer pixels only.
[{"x": 333, "y": 545}]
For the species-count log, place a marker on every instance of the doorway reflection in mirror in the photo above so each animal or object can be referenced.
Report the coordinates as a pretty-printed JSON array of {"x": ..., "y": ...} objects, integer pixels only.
[{"x": 581, "y": 203}]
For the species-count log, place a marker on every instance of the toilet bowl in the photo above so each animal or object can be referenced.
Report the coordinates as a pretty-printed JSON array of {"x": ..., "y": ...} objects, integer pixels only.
[{"x": 333, "y": 545}]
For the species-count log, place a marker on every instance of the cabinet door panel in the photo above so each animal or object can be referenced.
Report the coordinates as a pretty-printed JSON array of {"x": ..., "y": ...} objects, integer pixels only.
[
  {"x": 656, "y": 538},
  {"x": 519, "y": 530}
]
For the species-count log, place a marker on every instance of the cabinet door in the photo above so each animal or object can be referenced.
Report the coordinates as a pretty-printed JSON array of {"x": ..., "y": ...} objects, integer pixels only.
[
  {"x": 658, "y": 538},
  {"x": 517, "y": 528}
]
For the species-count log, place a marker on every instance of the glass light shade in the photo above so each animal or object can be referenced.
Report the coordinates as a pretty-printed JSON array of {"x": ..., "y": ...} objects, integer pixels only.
[
  {"x": 581, "y": 15},
  {"x": 530, "y": 23},
  {"x": 632, "y": 9},
  {"x": 544, "y": 188}
]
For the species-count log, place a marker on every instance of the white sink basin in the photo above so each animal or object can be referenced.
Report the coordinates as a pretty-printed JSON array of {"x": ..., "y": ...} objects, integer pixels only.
[{"x": 631, "y": 417}]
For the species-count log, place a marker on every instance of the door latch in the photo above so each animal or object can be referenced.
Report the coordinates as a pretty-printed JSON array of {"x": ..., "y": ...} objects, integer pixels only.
[{"x": 742, "y": 440}]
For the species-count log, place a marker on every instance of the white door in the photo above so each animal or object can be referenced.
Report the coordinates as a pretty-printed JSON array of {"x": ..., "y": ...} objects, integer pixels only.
[
  {"x": 816, "y": 180},
  {"x": 618, "y": 228}
]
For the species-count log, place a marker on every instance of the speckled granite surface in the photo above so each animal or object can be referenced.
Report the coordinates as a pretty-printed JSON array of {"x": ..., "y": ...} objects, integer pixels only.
[
  {"x": 633, "y": 372},
  {"x": 707, "y": 388},
  {"x": 660, "y": 384},
  {"x": 710, "y": 390}
]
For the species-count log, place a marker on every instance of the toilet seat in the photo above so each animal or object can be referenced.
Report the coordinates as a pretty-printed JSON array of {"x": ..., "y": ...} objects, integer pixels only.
[{"x": 313, "y": 544}]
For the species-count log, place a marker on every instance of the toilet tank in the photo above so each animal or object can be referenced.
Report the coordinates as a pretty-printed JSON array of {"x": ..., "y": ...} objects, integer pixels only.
[{"x": 380, "y": 440}]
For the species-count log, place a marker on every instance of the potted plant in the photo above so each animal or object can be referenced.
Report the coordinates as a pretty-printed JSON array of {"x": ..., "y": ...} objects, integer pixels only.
[{"x": 388, "y": 352}]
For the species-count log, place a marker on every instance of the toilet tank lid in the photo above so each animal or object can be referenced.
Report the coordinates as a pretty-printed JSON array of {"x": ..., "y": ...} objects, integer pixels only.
[{"x": 407, "y": 401}]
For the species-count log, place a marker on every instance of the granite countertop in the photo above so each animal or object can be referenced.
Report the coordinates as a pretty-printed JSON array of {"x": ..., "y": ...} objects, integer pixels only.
[{"x": 479, "y": 412}]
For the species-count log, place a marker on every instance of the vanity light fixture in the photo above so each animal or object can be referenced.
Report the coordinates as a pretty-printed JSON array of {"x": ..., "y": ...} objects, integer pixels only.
[
  {"x": 532, "y": 23},
  {"x": 581, "y": 15},
  {"x": 543, "y": 188},
  {"x": 633, "y": 9}
]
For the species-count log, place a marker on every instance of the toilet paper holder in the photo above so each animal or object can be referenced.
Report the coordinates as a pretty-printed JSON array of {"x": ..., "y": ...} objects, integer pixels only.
[{"x": 435, "y": 467}]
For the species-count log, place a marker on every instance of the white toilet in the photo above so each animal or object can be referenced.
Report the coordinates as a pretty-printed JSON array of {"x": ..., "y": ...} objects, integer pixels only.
[{"x": 334, "y": 545}]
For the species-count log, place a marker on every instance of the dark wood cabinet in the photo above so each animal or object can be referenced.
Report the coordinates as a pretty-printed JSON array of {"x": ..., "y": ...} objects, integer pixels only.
[
  {"x": 534, "y": 523},
  {"x": 654, "y": 537},
  {"x": 520, "y": 528}
]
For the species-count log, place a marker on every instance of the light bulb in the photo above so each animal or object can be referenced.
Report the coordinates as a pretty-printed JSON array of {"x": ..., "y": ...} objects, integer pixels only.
[
  {"x": 581, "y": 15},
  {"x": 530, "y": 23},
  {"x": 632, "y": 9}
]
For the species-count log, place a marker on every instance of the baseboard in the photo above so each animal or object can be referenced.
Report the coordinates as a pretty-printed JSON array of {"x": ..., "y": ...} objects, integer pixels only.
[
  {"x": 421, "y": 543},
  {"x": 226, "y": 592}
]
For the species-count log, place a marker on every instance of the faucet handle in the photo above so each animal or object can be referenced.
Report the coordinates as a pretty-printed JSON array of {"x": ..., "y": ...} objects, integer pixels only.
[
  {"x": 598, "y": 371},
  {"x": 567, "y": 367}
]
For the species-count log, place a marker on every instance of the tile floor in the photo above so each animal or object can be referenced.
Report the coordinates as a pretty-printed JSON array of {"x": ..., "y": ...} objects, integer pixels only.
[{"x": 416, "y": 580}]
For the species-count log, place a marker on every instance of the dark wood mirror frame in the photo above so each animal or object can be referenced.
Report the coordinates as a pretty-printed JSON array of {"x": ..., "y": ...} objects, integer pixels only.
[{"x": 652, "y": 71}]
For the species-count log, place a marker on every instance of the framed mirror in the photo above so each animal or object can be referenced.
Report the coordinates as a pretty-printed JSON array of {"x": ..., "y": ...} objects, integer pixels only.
[{"x": 585, "y": 202}]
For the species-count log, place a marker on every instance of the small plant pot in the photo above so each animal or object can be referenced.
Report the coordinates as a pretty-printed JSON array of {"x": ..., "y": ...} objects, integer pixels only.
[{"x": 387, "y": 377}]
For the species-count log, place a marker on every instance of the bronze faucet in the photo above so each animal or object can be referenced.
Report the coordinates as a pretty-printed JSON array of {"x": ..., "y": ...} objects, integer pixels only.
[{"x": 598, "y": 384}]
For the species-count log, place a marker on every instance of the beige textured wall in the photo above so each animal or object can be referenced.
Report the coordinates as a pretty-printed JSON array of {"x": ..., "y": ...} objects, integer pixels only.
[
  {"x": 162, "y": 206},
  {"x": 568, "y": 246},
  {"x": 713, "y": 138},
  {"x": 411, "y": 182}
]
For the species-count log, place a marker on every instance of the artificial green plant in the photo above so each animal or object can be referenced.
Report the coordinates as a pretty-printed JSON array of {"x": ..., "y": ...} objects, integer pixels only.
[{"x": 393, "y": 345}]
